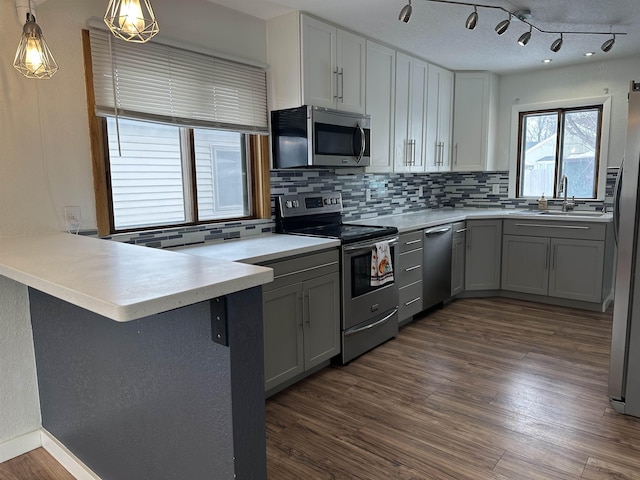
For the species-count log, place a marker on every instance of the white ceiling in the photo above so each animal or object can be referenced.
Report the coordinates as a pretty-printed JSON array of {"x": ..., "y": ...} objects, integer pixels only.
[{"x": 436, "y": 30}]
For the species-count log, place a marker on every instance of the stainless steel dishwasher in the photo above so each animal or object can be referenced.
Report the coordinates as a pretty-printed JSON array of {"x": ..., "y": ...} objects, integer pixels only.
[{"x": 436, "y": 251}]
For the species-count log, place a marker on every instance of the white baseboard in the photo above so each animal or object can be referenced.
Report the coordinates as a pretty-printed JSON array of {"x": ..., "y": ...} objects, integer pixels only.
[
  {"x": 67, "y": 459},
  {"x": 20, "y": 445}
]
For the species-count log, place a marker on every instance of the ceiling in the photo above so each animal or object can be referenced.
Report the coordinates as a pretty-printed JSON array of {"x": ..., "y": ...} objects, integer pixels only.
[{"x": 437, "y": 33}]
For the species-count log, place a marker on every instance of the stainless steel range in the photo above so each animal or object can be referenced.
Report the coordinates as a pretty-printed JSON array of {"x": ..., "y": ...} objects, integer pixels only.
[{"x": 369, "y": 313}]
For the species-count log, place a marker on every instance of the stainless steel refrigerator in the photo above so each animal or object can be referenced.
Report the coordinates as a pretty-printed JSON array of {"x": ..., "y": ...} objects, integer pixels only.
[{"x": 624, "y": 371}]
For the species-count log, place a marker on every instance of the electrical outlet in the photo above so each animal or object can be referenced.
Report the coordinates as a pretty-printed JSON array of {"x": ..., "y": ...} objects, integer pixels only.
[
  {"x": 496, "y": 189},
  {"x": 72, "y": 218},
  {"x": 367, "y": 194},
  {"x": 421, "y": 191}
]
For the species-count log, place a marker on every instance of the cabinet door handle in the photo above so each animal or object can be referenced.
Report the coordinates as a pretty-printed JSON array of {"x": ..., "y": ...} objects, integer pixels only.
[
  {"x": 546, "y": 258},
  {"x": 455, "y": 158},
  {"x": 335, "y": 92},
  {"x": 341, "y": 75},
  {"x": 412, "y": 301},
  {"x": 411, "y": 269},
  {"x": 570, "y": 227},
  {"x": 555, "y": 253},
  {"x": 413, "y": 242},
  {"x": 462, "y": 230}
]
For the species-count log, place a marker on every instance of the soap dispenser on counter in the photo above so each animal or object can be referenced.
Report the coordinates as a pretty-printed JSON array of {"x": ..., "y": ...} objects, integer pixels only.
[{"x": 542, "y": 203}]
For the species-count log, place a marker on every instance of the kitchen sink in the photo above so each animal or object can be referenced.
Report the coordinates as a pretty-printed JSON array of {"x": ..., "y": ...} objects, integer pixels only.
[{"x": 571, "y": 213}]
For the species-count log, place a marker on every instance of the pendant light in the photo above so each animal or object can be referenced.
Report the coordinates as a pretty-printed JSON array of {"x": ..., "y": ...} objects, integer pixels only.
[
  {"x": 524, "y": 38},
  {"x": 503, "y": 25},
  {"x": 405, "y": 13},
  {"x": 472, "y": 20},
  {"x": 131, "y": 20},
  {"x": 608, "y": 45},
  {"x": 33, "y": 58},
  {"x": 557, "y": 44}
]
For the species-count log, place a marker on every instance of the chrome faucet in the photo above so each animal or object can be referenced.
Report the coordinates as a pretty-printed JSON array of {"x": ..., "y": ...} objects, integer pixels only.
[{"x": 564, "y": 186}]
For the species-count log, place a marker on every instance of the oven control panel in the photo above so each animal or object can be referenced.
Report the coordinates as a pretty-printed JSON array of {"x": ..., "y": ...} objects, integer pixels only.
[{"x": 309, "y": 204}]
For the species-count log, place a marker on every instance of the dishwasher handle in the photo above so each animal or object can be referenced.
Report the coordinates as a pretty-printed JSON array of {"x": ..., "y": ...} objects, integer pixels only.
[{"x": 436, "y": 231}]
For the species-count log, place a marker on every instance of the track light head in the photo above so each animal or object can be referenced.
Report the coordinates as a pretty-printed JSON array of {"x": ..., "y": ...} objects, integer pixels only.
[
  {"x": 608, "y": 45},
  {"x": 557, "y": 44},
  {"x": 503, "y": 25},
  {"x": 524, "y": 38},
  {"x": 472, "y": 20},
  {"x": 405, "y": 13}
]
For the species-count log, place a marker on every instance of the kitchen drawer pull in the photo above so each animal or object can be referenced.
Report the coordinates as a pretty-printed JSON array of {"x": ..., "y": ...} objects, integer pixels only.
[
  {"x": 570, "y": 227},
  {"x": 462, "y": 230},
  {"x": 410, "y": 269},
  {"x": 310, "y": 269},
  {"x": 375, "y": 324},
  {"x": 413, "y": 242},
  {"x": 412, "y": 301}
]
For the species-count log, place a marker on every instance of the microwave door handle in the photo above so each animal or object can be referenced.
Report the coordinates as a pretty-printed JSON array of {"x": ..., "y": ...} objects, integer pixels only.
[{"x": 363, "y": 143}]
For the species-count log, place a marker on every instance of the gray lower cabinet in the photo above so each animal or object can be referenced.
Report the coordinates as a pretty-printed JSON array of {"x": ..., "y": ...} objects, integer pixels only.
[
  {"x": 525, "y": 264},
  {"x": 409, "y": 276},
  {"x": 561, "y": 260},
  {"x": 483, "y": 256},
  {"x": 577, "y": 269},
  {"x": 458, "y": 253},
  {"x": 301, "y": 315}
]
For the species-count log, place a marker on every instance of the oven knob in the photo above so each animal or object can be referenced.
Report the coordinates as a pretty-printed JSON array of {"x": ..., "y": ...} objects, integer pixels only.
[
  {"x": 327, "y": 201},
  {"x": 334, "y": 201},
  {"x": 288, "y": 204},
  {"x": 296, "y": 204}
]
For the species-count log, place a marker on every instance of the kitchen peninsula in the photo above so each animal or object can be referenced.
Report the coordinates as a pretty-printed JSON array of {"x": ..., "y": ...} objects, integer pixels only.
[{"x": 149, "y": 361}]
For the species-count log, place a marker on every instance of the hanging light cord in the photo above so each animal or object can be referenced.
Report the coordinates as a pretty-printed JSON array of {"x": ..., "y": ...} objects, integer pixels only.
[
  {"x": 524, "y": 20},
  {"x": 115, "y": 98}
]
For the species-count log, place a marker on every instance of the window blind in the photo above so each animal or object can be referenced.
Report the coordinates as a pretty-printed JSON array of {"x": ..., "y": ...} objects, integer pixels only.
[{"x": 172, "y": 85}]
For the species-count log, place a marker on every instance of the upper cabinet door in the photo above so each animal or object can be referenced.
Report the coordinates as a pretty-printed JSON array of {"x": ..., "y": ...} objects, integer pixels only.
[
  {"x": 320, "y": 75},
  {"x": 380, "y": 90},
  {"x": 438, "y": 121},
  {"x": 351, "y": 71}
]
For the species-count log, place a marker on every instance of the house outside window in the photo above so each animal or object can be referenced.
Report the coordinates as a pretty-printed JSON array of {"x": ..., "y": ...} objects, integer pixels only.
[{"x": 557, "y": 143}]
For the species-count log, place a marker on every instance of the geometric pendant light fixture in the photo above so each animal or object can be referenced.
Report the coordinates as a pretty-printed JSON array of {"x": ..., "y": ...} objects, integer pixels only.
[
  {"x": 131, "y": 20},
  {"x": 33, "y": 58}
]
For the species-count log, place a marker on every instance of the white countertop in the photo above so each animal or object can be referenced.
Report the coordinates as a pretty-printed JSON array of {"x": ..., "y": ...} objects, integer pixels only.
[
  {"x": 260, "y": 249},
  {"x": 121, "y": 281},
  {"x": 429, "y": 218}
]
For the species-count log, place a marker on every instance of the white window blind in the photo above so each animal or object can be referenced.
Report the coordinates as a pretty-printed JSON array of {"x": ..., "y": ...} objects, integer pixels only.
[{"x": 171, "y": 85}]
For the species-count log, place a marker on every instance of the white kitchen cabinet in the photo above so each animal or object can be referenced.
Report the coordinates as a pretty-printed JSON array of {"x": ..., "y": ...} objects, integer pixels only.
[
  {"x": 380, "y": 92},
  {"x": 475, "y": 121},
  {"x": 314, "y": 63},
  {"x": 410, "y": 113},
  {"x": 438, "y": 122}
]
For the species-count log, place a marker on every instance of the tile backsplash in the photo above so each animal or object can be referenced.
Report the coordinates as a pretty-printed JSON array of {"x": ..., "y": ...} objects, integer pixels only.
[{"x": 390, "y": 194}]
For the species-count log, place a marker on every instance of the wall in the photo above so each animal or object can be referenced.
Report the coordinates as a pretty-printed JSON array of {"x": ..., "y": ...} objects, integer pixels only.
[
  {"x": 593, "y": 79},
  {"x": 45, "y": 160}
]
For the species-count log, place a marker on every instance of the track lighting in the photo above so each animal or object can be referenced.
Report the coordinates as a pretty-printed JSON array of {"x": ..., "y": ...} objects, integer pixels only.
[
  {"x": 131, "y": 20},
  {"x": 557, "y": 44},
  {"x": 608, "y": 45},
  {"x": 503, "y": 25},
  {"x": 524, "y": 38},
  {"x": 405, "y": 13},
  {"x": 33, "y": 58},
  {"x": 472, "y": 20},
  {"x": 523, "y": 15}
]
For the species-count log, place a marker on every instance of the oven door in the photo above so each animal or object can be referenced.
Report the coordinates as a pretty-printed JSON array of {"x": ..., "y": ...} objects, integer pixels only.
[{"x": 360, "y": 300}]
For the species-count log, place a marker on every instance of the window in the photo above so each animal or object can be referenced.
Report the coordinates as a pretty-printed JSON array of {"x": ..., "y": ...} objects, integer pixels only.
[
  {"x": 183, "y": 134},
  {"x": 556, "y": 143}
]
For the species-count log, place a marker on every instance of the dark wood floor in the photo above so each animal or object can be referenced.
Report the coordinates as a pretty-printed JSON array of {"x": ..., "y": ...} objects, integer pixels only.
[{"x": 482, "y": 389}]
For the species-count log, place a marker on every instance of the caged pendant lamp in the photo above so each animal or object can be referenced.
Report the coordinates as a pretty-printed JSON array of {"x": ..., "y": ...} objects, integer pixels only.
[
  {"x": 131, "y": 20},
  {"x": 33, "y": 58}
]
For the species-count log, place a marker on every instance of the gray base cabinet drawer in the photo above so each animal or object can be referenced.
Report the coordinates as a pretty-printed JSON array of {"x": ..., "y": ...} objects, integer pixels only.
[
  {"x": 410, "y": 241},
  {"x": 410, "y": 300},
  {"x": 409, "y": 267},
  {"x": 556, "y": 228}
]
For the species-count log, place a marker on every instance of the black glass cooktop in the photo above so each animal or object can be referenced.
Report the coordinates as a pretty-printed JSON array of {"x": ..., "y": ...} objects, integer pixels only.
[{"x": 347, "y": 233}]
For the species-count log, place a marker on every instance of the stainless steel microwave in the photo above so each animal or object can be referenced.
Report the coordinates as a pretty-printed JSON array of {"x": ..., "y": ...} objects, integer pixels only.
[{"x": 318, "y": 137}]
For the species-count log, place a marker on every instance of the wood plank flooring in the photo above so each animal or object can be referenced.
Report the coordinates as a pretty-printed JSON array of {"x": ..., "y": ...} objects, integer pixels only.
[
  {"x": 481, "y": 389},
  {"x": 35, "y": 465}
]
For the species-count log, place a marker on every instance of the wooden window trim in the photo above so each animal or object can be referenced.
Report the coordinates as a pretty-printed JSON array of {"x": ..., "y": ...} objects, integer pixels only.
[{"x": 258, "y": 152}]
